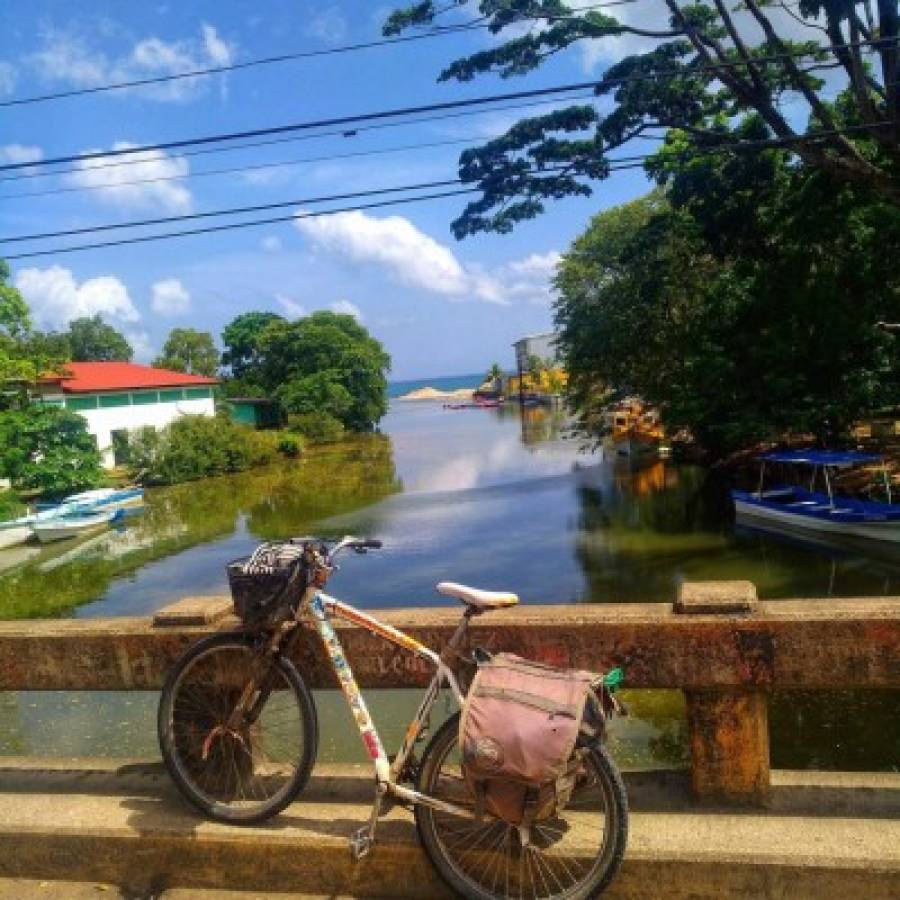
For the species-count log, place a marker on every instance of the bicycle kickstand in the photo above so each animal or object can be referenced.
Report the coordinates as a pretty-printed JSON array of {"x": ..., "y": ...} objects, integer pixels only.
[{"x": 361, "y": 841}]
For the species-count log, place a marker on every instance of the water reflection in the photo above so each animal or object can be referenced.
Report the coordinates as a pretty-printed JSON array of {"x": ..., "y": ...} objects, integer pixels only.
[{"x": 188, "y": 532}]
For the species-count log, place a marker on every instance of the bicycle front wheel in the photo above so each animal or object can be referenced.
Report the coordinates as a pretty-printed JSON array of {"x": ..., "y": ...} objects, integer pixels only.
[
  {"x": 571, "y": 856},
  {"x": 241, "y": 774}
]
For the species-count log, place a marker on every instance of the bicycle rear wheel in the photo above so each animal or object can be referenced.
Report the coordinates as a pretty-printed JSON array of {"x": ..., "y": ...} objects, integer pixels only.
[
  {"x": 249, "y": 773},
  {"x": 571, "y": 856}
]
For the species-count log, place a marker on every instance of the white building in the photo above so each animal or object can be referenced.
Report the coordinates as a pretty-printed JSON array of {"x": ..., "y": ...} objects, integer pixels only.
[
  {"x": 118, "y": 397},
  {"x": 542, "y": 345}
]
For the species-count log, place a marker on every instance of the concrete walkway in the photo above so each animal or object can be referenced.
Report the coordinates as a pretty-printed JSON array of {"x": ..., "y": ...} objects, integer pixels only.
[{"x": 121, "y": 823}]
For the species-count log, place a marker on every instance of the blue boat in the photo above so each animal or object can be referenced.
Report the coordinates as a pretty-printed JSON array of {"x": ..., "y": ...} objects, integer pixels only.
[{"x": 811, "y": 509}]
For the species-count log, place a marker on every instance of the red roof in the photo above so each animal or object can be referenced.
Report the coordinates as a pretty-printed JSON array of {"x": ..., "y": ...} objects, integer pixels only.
[{"x": 83, "y": 377}]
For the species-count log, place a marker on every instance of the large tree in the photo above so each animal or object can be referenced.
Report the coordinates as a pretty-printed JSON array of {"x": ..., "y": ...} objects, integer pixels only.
[
  {"x": 48, "y": 449},
  {"x": 93, "y": 340},
  {"x": 241, "y": 341},
  {"x": 191, "y": 351},
  {"x": 326, "y": 363},
  {"x": 709, "y": 66},
  {"x": 743, "y": 302}
]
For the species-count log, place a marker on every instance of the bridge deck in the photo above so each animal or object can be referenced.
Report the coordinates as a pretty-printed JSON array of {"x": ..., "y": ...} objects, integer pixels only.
[{"x": 121, "y": 823}]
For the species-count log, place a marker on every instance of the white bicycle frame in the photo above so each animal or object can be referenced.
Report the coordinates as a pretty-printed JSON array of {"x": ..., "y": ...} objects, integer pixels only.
[{"x": 322, "y": 608}]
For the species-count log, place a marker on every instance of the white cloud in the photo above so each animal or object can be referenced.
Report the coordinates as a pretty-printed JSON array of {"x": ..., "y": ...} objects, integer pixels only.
[
  {"x": 347, "y": 308},
  {"x": 291, "y": 307},
  {"x": 113, "y": 182},
  {"x": 413, "y": 258},
  {"x": 393, "y": 243},
  {"x": 328, "y": 25},
  {"x": 8, "y": 77},
  {"x": 67, "y": 57},
  {"x": 170, "y": 297},
  {"x": 55, "y": 297},
  {"x": 20, "y": 153},
  {"x": 140, "y": 343},
  {"x": 271, "y": 243}
]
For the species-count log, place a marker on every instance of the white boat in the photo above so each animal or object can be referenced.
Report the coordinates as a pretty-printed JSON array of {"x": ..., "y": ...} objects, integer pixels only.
[
  {"x": 103, "y": 499},
  {"x": 62, "y": 527},
  {"x": 14, "y": 533}
]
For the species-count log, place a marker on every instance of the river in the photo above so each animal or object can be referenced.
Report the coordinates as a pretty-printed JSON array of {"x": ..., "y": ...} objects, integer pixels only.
[{"x": 483, "y": 497}]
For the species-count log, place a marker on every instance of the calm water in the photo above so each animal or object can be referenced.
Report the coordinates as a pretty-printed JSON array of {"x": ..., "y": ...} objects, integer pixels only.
[{"x": 478, "y": 496}]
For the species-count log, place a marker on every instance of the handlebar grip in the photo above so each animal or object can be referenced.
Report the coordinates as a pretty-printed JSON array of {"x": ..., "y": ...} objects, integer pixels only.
[{"x": 371, "y": 544}]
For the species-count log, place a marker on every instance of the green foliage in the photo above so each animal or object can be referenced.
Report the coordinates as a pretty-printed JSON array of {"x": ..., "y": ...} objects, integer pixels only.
[
  {"x": 317, "y": 427},
  {"x": 11, "y": 506},
  {"x": 494, "y": 373},
  {"x": 327, "y": 363},
  {"x": 696, "y": 78},
  {"x": 15, "y": 319},
  {"x": 90, "y": 339},
  {"x": 48, "y": 449},
  {"x": 191, "y": 351},
  {"x": 744, "y": 309},
  {"x": 195, "y": 447},
  {"x": 241, "y": 340},
  {"x": 290, "y": 446}
]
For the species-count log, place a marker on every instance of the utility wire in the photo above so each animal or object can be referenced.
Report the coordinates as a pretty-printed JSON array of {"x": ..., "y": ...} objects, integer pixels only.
[
  {"x": 431, "y": 107},
  {"x": 616, "y": 165},
  {"x": 284, "y": 164},
  {"x": 281, "y": 58},
  {"x": 233, "y": 211},
  {"x": 341, "y": 132},
  {"x": 235, "y": 225}
]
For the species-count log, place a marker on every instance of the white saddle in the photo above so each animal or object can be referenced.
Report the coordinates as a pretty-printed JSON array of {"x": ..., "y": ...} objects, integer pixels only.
[{"x": 477, "y": 598}]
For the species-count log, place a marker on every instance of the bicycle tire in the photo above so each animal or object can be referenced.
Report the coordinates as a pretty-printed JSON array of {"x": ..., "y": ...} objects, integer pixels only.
[
  {"x": 307, "y": 726},
  {"x": 602, "y": 871}
]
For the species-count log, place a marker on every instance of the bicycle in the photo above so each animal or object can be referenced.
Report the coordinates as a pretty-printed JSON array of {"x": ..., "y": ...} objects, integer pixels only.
[{"x": 239, "y": 733}]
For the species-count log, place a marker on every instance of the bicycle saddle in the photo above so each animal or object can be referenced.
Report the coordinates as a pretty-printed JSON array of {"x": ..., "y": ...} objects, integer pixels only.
[{"x": 477, "y": 598}]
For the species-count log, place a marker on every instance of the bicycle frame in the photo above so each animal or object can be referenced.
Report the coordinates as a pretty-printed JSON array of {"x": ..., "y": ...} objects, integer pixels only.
[{"x": 322, "y": 608}]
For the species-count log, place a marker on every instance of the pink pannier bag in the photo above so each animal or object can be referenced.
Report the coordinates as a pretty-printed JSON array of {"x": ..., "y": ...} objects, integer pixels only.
[{"x": 517, "y": 735}]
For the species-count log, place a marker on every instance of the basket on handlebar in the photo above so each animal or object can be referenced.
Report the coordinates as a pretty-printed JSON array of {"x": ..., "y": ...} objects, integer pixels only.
[{"x": 266, "y": 583}]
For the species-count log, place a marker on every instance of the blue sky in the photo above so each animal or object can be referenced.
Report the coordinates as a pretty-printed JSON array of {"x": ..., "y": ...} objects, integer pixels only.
[{"x": 439, "y": 306}]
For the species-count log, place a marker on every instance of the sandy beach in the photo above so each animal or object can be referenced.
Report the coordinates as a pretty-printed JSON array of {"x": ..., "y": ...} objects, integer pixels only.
[{"x": 430, "y": 393}]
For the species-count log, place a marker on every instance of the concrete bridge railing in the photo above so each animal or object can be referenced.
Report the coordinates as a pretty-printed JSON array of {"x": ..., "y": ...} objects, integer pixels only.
[{"x": 720, "y": 645}]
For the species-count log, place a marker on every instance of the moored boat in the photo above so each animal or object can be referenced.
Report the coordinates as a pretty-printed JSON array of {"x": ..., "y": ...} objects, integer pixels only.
[
  {"x": 101, "y": 499},
  {"x": 14, "y": 533},
  {"x": 60, "y": 528},
  {"x": 808, "y": 509}
]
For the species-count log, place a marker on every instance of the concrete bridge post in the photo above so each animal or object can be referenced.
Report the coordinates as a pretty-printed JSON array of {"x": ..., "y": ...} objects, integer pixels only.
[{"x": 728, "y": 729}]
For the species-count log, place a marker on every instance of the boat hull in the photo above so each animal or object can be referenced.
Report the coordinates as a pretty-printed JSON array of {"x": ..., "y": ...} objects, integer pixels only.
[
  {"x": 13, "y": 535},
  {"x": 874, "y": 530},
  {"x": 63, "y": 528}
]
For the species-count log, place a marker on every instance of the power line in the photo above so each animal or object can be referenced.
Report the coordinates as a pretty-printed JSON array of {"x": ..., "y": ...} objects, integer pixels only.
[
  {"x": 233, "y": 211},
  {"x": 305, "y": 137},
  {"x": 284, "y": 164},
  {"x": 617, "y": 164},
  {"x": 236, "y": 225},
  {"x": 279, "y": 58},
  {"x": 414, "y": 110}
]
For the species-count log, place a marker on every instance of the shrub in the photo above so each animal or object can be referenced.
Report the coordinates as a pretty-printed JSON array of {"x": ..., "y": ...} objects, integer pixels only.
[
  {"x": 290, "y": 446},
  {"x": 198, "y": 447},
  {"x": 317, "y": 427}
]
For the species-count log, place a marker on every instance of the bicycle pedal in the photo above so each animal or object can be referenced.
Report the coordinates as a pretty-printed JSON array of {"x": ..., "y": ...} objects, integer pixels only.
[{"x": 360, "y": 844}]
